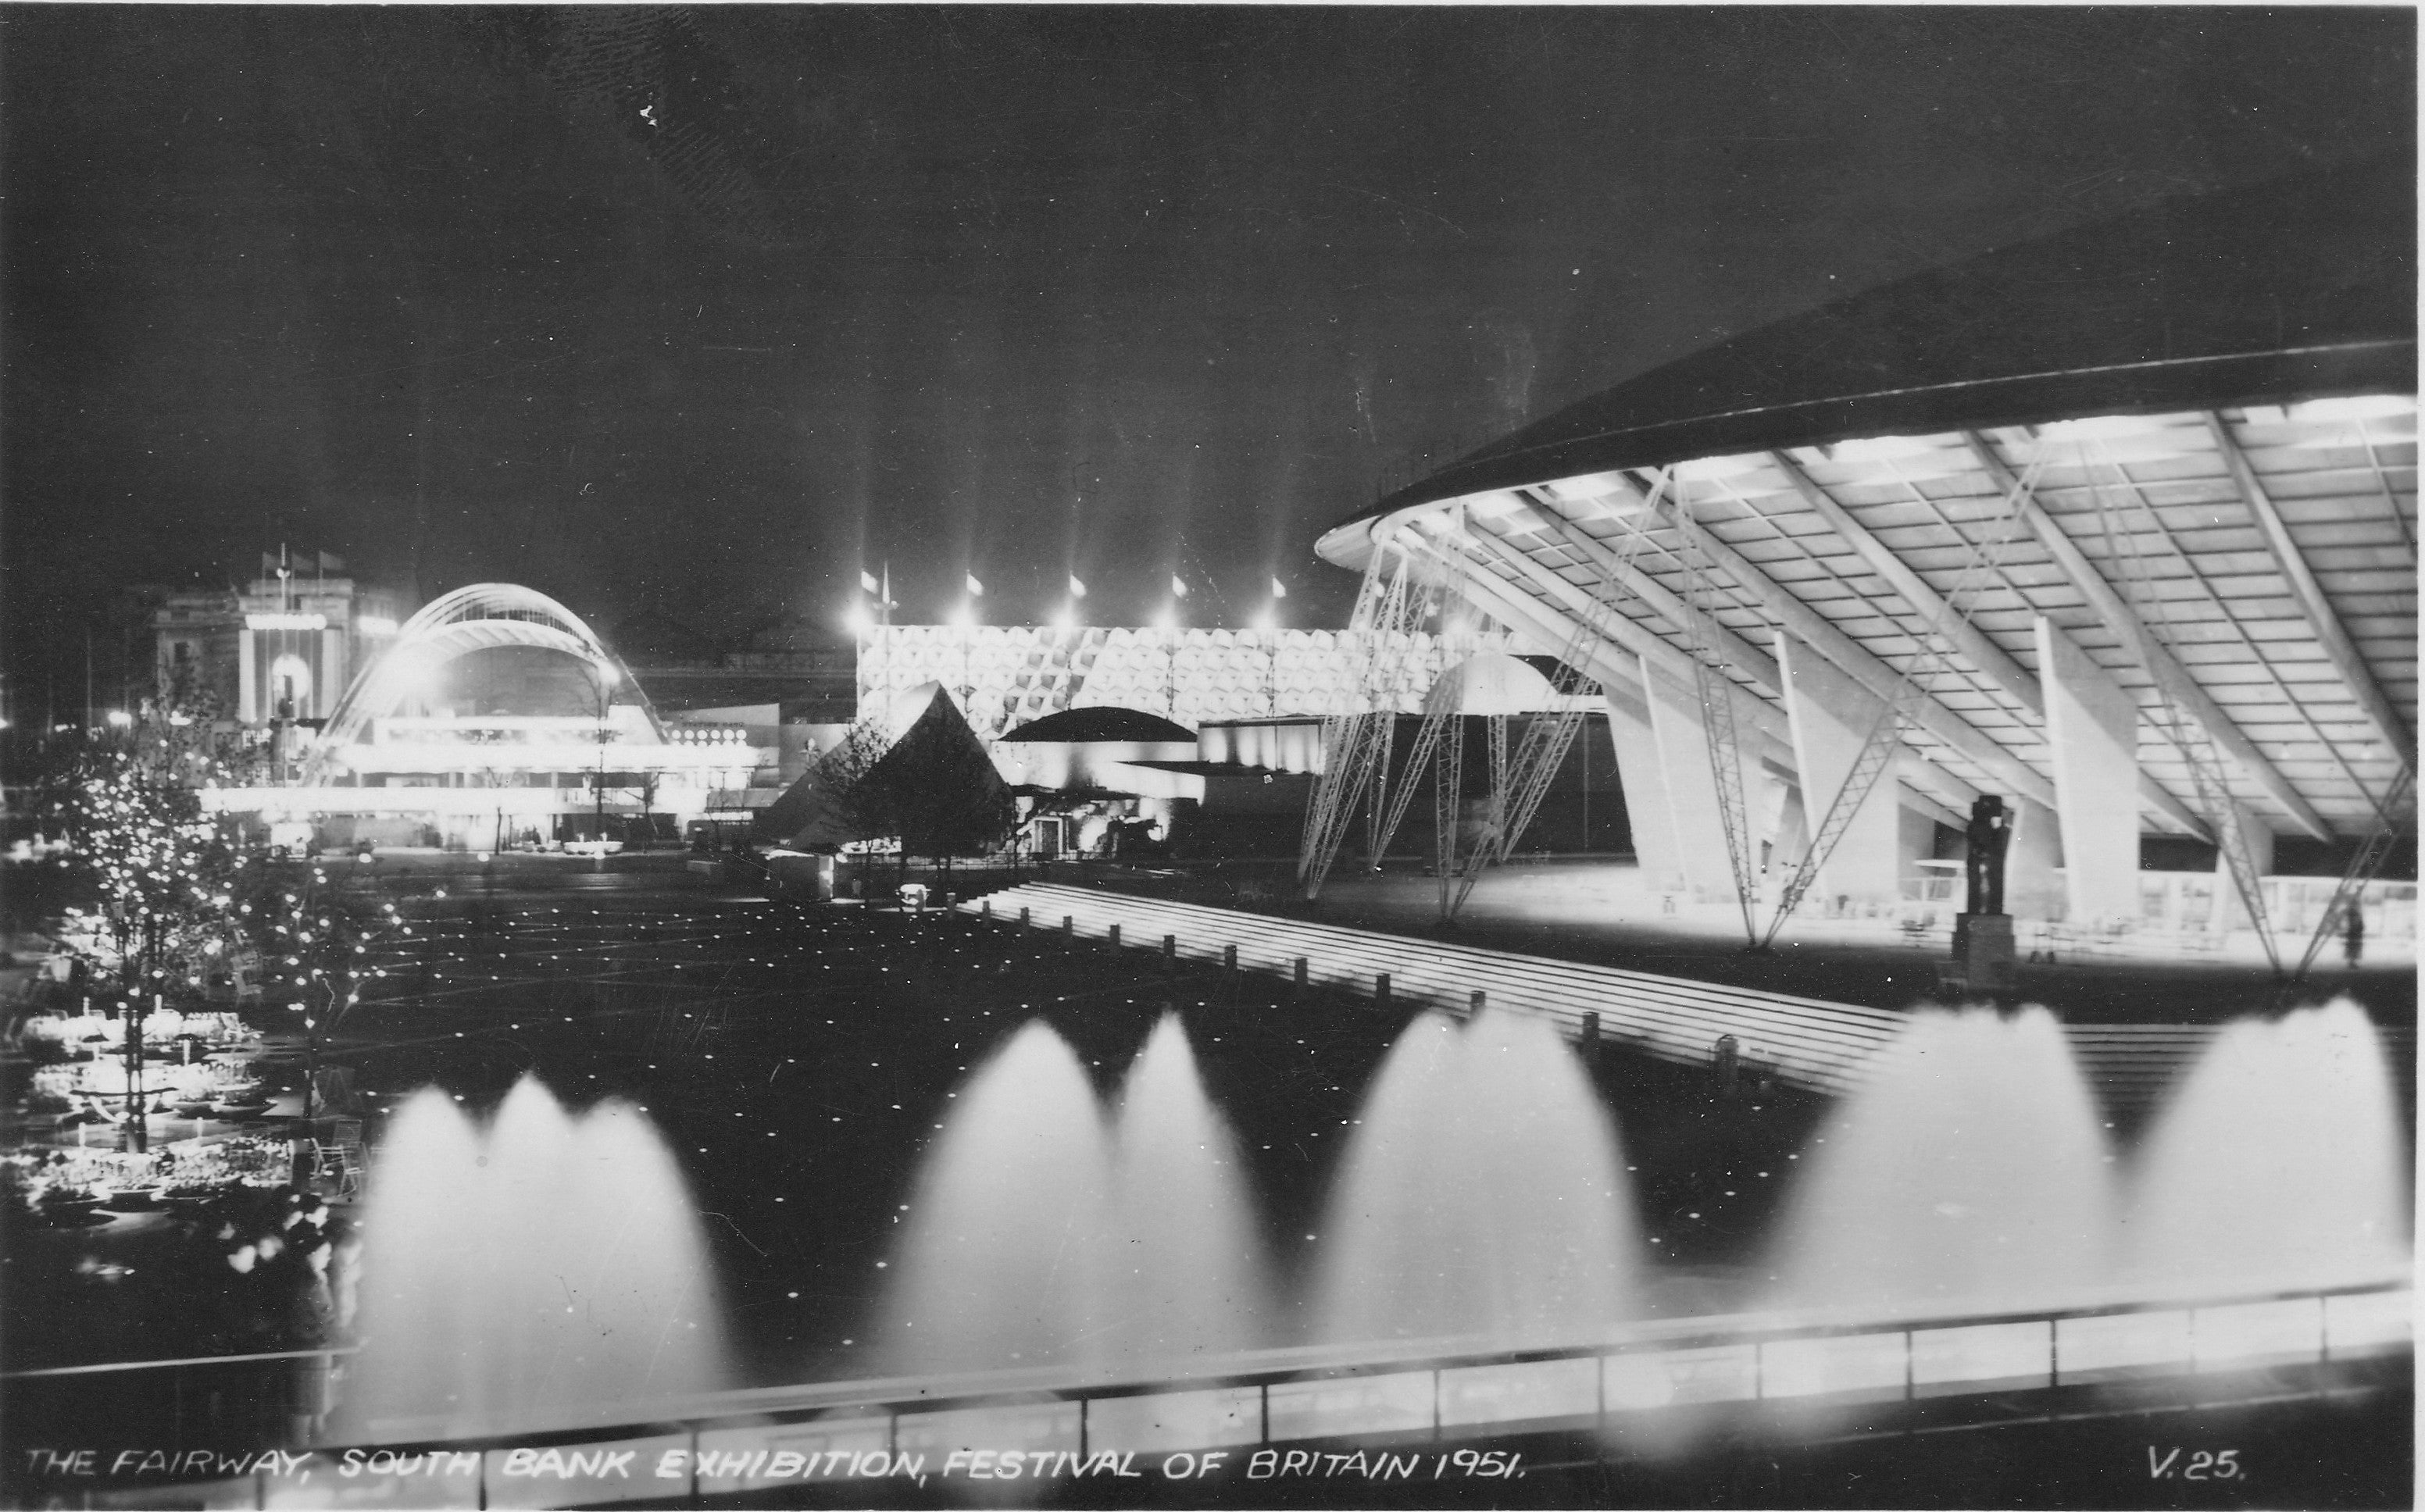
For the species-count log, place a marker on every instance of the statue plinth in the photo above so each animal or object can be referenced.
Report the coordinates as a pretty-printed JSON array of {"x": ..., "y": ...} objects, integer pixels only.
[{"x": 1983, "y": 952}]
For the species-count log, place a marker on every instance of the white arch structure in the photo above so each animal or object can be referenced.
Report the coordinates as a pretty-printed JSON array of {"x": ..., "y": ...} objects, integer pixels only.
[{"x": 477, "y": 618}]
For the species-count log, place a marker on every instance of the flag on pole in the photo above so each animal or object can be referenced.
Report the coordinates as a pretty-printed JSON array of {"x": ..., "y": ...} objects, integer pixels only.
[
  {"x": 330, "y": 563},
  {"x": 867, "y": 583},
  {"x": 1077, "y": 589},
  {"x": 976, "y": 589},
  {"x": 268, "y": 565},
  {"x": 1177, "y": 586},
  {"x": 1279, "y": 589}
]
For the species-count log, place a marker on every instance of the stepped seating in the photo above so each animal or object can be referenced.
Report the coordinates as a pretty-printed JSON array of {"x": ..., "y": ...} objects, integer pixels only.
[{"x": 1804, "y": 1042}]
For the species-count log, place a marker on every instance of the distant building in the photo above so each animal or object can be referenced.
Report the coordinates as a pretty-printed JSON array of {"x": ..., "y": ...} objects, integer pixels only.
[
  {"x": 492, "y": 717},
  {"x": 284, "y": 646}
]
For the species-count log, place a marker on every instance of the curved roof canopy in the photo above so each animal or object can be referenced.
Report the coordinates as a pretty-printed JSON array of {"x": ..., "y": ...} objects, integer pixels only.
[
  {"x": 478, "y": 618},
  {"x": 2186, "y": 439},
  {"x": 1100, "y": 722},
  {"x": 2295, "y": 288}
]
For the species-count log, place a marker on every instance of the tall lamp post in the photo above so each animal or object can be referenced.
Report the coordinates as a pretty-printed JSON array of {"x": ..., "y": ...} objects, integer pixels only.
[{"x": 606, "y": 677}]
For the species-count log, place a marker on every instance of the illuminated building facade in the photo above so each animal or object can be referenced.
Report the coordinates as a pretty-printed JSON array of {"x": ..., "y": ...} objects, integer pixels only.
[
  {"x": 495, "y": 716},
  {"x": 1004, "y": 676},
  {"x": 283, "y": 647}
]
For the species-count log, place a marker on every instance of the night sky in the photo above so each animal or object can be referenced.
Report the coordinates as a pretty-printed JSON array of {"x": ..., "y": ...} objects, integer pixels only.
[{"x": 697, "y": 311}]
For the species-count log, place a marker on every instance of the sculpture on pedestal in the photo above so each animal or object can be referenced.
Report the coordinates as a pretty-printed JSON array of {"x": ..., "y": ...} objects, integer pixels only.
[{"x": 1989, "y": 830}]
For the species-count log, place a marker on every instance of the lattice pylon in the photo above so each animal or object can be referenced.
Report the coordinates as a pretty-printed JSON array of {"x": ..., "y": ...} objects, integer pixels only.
[
  {"x": 1440, "y": 723},
  {"x": 1547, "y": 737},
  {"x": 1717, "y": 697},
  {"x": 1354, "y": 744},
  {"x": 1448, "y": 805},
  {"x": 1376, "y": 792},
  {"x": 2371, "y": 853},
  {"x": 1419, "y": 757}
]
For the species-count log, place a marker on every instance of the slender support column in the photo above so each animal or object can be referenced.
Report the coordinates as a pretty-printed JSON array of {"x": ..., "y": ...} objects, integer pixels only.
[
  {"x": 248, "y": 677},
  {"x": 1692, "y": 788},
  {"x": 1832, "y": 716},
  {"x": 2093, "y": 730},
  {"x": 330, "y": 684},
  {"x": 2032, "y": 858},
  {"x": 1793, "y": 834},
  {"x": 1655, "y": 847}
]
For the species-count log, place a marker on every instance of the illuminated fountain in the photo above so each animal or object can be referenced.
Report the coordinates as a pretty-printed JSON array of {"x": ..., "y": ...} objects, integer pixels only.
[
  {"x": 2276, "y": 1161},
  {"x": 996, "y": 1267},
  {"x": 1039, "y": 1234},
  {"x": 1481, "y": 1194},
  {"x": 1186, "y": 1276},
  {"x": 545, "y": 1266},
  {"x": 536, "y": 1272},
  {"x": 1971, "y": 1169}
]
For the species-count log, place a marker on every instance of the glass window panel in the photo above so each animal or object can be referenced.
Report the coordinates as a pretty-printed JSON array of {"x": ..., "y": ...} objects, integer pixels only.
[
  {"x": 2119, "y": 1342},
  {"x": 1174, "y": 1420},
  {"x": 1863, "y": 1363},
  {"x": 1721, "y": 1373},
  {"x": 1349, "y": 1404},
  {"x": 1027, "y": 1426},
  {"x": 2367, "y": 1321},
  {"x": 1514, "y": 1394},
  {"x": 2249, "y": 1333},
  {"x": 1983, "y": 1352}
]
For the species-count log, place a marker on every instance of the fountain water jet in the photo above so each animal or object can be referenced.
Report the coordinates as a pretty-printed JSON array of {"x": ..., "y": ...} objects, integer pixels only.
[
  {"x": 1483, "y": 1193},
  {"x": 1185, "y": 1274},
  {"x": 1969, "y": 1167},
  {"x": 2277, "y": 1160},
  {"x": 1039, "y": 1235},
  {"x": 528, "y": 1274},
  {"x": 1006, "y": 1219}
]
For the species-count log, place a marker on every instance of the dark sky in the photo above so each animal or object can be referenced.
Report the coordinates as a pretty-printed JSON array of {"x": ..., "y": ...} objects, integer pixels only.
[{"x": 695, "y": 311}]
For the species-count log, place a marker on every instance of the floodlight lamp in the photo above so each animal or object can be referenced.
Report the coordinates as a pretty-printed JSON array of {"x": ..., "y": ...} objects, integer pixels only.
[
  {"x": 856, "y": 620},
  {"x": 120, "y": 719},
  {"x": 1167, "y": 621},
  {"x": 1265, "y": 620},
  {"x": 1066, "y": 619},
  {"x": 965, "y": 617}
]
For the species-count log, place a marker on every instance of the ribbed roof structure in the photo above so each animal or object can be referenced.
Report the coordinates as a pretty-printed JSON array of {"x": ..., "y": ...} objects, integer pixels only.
[{"x": 2186, "y": 437}]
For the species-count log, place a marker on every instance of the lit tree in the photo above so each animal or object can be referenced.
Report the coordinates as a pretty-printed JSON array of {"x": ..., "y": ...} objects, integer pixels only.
[
  {"x": 313, "y": 944},
  {"x": 151, "y": 872}
]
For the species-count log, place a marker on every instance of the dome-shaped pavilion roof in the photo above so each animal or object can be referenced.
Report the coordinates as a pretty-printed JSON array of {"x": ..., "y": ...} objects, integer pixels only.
[{"x": 2299, "y": 287}]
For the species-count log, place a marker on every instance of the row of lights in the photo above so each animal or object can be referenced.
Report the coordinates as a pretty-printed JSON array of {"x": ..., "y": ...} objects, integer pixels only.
[{"x": 861, "y": 617}]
